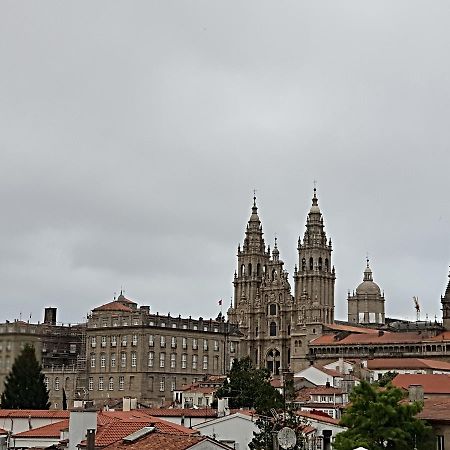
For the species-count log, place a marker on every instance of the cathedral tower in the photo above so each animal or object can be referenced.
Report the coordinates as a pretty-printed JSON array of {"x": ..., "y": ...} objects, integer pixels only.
[
  {"x": 445, "y": 301},
  {"x": 315, "y": 276}
]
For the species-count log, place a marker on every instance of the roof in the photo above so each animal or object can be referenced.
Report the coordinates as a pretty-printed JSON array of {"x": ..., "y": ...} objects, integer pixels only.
[
  {"x": 34, "y": 413},
  {"x": 385, "y": 338},
  {"x": 304, "y": 394},
  {"x": 113, "y": 306},
  {"x": 200, "y": 389},
  {"x": 436, "y": 409},
  {"x": 52, "y": 430},
  {"x": 351, "y": 328},
  {"x": 432, "y": 383},
  {"x": 158, "y": 441},
  {"x": 3, "y": 431},
  {"x": 180, "y": 412},
  {"x": 115, "y": 431},
  {"x": 444, "y": 336},
  {"x": 407, "y": 363},
  {"x": 320, "y": 417}
]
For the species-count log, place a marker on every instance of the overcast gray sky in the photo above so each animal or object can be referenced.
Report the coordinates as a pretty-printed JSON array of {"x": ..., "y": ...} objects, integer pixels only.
[{"x": 132, "y": 135}]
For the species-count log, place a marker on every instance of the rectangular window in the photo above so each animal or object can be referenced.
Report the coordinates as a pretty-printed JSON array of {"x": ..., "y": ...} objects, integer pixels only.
[
  {"x": 134, "y": 340},
  {"x": 93, "y": 341},
  {"x": 133, "y": 359},
  {"x": 151, "y": 340},
  {"x": 184, "y": 343},
  {"x": 194, "y": 344},
  {"x": 92, "y": 360},
  {"x": 162, "y": 360},
  {"x": 205, "y": 363},
  {"x": 151, "y": 358},
  {"x": 216, "y": 363},
  {"x": 91, "y": 384},
  {"x": 173, "y": 343},
  {"x": 102, "y": 360},
  {"x": 183, "y": 361},
  {"x": 124, "y": 341},
  {"x": 205, "y": 345},
  {"x": 113, "y": 341},
  {"x": 162, "y": 385},
  {"x": 440, "y": 442},
  {"x": 113, "y": 360},
  {"x": 162, "y": 341},
  {"x": 173, "y": 360},
  {"x": 216, "y": 345},
  {"x": 123, "y": 359},
  {"x": 232, "y": 347},
  {"x": 103, "y": 343},
  {"x": 100, "y": 383},
  {"x": 173, "y": 385},
  {"x": 105, "y": 322},
  {"x": 194, "y": 361},
  {"x": 121, "y": 382},
  {"x": 111, "y": 384}
]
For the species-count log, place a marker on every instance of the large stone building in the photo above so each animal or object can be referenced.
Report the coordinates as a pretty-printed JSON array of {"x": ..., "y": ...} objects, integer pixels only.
[{"x": 275, "y": 324}]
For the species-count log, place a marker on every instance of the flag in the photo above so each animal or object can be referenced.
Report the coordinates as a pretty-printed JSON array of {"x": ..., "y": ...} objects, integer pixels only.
[{"x": 220, "y": 302}]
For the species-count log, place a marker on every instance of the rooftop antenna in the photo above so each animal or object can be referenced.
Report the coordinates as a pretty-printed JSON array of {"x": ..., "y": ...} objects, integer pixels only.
[{"x": 417, "y": 307}]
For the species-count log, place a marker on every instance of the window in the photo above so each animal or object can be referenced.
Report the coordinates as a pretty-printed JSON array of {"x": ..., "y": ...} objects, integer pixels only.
[
  {"x": 273, "y": 309},
  {"x": 46, "y": 382},
  {"x": 183, "y": 361},
  {"x": 115, "y": 323},
  {"x": 113, "y": 341},
  {"x": 205, "y": 345},
  {"x": 92, "y": 360},
  {"x": 205, "y": 363},
  {"x": 93, "y": 341},
  {"x": 273, "y": 329},
  {"x": 173, "y": 385},
  {"x": 216, "y": 363},
  {"x": 184, "y": 343},
  {"x": 136, "y": 321},
  {"x": 194, "y": 344},
  {"x": 174, "y": 325},
  {"x": 133, "y": 359},
  {"x": 102, "y": 360},
  {"x": 163, "y": 325},
  {"x": 231, "y": 362},
  {"x": 123, "y": 359},
  {"x": 111, "y": 384},
  {"x": 124, "y": 341},
  {"x": 216, "y": 345},
  {"x": 100, "y": 383},
  {"x": 162, "y": 385},
  {"x": 113, "y": 360},
  {"x": 162, "y": 360},
  {"x": 134, "y": 340},
  {"x": 173, "y": 343},
  {"x": 151, "y": 340},
  {"x": 195, "y": 327},
  {"x": 311, "y": 264},
  {"x": 105, "y": 322},
  {"x": 440, "y": 442},
  {"x": 91, "y": 384},
  {"x": 184, "y": 326},
  {"x": 232, "y": 347},
  {"x": 103, "y": 343},
  {"x": 162, "y": 341},
  {"x": 173, "y": 360},
  {"x": 121, "y": 382},
  {"x": 151, "y": 358},
  {"x": 194, "y": 361},
  {"x": 216, "y": 329},
  {"x": 57, "y": 384}
]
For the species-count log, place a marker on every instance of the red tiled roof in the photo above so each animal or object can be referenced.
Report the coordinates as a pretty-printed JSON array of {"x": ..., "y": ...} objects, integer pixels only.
[
  {"x": 444, "y": 336},
  {"x": 330, "y": 372},
  {"x": 34, "y": 413},
  {"x": 318, "y": 416},
  {"x": 407, "y": 363},
  {"x": 385, "y": 338},
  {"x": 160, "y": 441},
  {"x": 432, "y": 383},
  {"x": 180, "y": 412},
  {"x": 113, "y": 306},
  {"x": 436, "y": 409},
  {"x": 351, "y": 328},
  {"x": 115, "y": 431},
  {"x": 52, "y": 430},
  {"x": 325, "y": 390},
  {"x": 2, "y": 431}
]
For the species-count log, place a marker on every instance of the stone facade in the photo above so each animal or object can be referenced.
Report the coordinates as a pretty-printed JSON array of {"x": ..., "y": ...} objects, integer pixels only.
[{"x": 275, "y": 324}]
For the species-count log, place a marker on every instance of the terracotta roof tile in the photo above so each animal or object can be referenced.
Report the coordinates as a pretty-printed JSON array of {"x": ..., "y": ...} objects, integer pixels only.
[
  {"x": 407, "y": 363},
  {"x": 385, "y": 338},
  {"x": 179, "y": 412},
  {"x": 351, "y": 328},
  {"x": 34, "y": 413},
  {"x": 113, "y": 306},
  {"x": 432, "y": 383},
  {"x": 436, "y": 409},
  {"x": 115, "y": 431},
  {"x": 159, "y": 441},
  {"x": 318, "y": 416},
  {"x": 53, "y": 430}
]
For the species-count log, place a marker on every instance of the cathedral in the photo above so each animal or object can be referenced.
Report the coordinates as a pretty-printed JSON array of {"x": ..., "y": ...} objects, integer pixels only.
[{"x": 277, "y": 324}]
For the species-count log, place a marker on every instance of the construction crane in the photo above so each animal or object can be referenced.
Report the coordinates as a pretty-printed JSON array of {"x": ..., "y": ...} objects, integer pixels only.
[{"x": 417, "y": 307}]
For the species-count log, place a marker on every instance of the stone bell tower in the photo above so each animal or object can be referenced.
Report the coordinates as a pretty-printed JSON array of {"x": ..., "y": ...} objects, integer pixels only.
[{"x": 445, "y": 301}]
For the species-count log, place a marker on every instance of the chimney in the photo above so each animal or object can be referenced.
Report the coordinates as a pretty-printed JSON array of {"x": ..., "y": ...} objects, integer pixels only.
[
  {"x": 50, "y": 316},
  {"x": 80, "y": 421},
  {"x": 90, "y": 439},
  {"x": 222, "y": 407},
  {"x": 415, "y": 393}
]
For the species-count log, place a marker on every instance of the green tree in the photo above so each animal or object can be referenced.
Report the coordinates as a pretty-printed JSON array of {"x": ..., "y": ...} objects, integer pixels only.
[
  {"x": 379, "y": 419},
  {"x": 250, "y": 388},
  {"x": 386, "y": 378},
  {"x": 24, "y": 385},
  {"x": 270, "y": 426}
]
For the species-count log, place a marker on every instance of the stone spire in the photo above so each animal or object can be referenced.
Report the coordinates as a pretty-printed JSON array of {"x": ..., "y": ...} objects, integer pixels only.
[
  {"x": 254, "y": 241},
  {"x": 445, "y": 301},
  {"x": 368, "y": 272}
]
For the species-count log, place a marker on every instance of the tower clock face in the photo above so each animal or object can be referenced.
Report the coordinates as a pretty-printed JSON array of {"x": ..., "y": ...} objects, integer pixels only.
[{"x": 287, "y": 438}]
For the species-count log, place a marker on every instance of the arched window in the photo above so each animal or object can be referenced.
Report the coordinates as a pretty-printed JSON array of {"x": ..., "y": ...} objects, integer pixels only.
[
  {"x": 320, "y": 263},
  {"x": 326, "y": 264},
  {"x": 249, "y": 269},
  {"x": 242, "y": 270},
  {"x": 272, "y": 309},
  {"x": 273, "y": 329},
  {"x": 311, "y": 264},
  {"x": 303, "y": 264}
]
